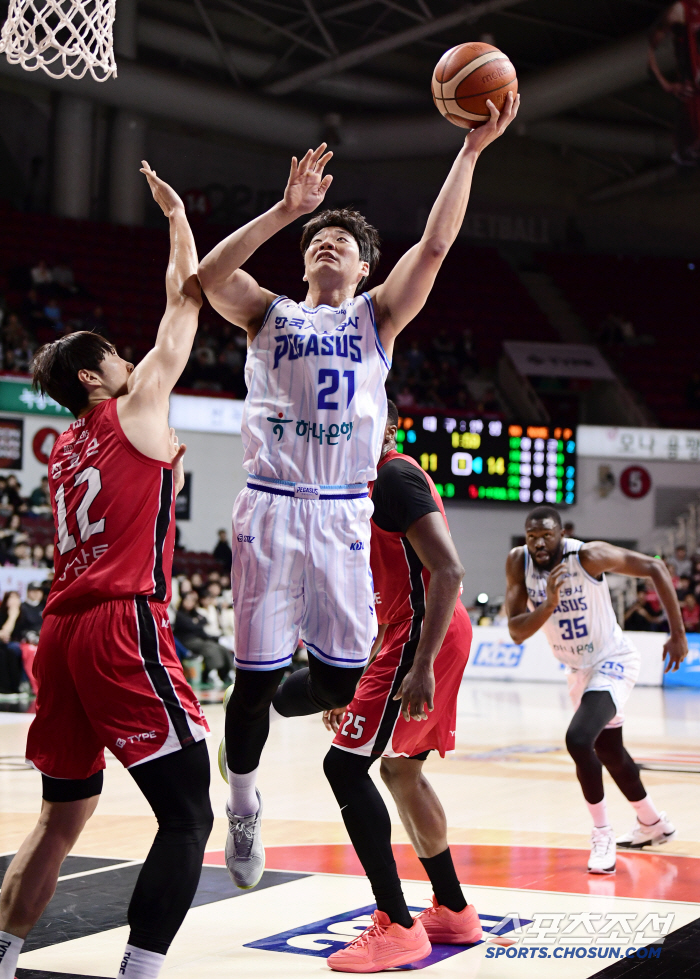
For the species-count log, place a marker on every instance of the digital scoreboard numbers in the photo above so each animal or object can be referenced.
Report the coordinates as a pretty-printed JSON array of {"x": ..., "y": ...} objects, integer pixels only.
[{"x": 492, "y": 460}]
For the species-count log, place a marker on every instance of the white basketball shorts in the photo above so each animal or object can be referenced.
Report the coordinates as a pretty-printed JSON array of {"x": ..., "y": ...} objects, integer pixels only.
[
  {"x": 301, "y": 568},
  {"x": 617, "y": 675}
]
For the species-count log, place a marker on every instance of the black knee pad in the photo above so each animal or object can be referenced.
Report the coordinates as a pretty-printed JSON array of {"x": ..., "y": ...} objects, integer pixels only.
[{"x": 342, "y": 769}]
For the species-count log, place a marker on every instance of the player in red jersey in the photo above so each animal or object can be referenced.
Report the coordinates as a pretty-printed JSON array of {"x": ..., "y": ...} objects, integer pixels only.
[
  {"x": 415, "y": 677},
  {"x": 106, "y": 665}
]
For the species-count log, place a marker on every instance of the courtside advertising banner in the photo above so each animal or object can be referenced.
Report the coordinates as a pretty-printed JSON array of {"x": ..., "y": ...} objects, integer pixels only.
[{"x": 495, "y": 656}]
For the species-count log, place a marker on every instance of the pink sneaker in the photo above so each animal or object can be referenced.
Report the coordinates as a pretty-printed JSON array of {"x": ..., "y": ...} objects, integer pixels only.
[
  {"x": 382, "y": 946},
  {"x": 445, "y": 927}
]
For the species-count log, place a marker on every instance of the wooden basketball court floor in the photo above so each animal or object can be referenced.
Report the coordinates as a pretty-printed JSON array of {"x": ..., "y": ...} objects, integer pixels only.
[{"x": 518, "y": 830}]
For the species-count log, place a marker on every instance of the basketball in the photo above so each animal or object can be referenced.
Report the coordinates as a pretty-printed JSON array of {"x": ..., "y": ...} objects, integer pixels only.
[{"x": 466, "y": 76}]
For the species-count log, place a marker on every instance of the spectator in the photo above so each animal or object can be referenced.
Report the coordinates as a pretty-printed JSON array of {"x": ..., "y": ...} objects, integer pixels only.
[
  {"x": 569, "y": 529},
  {"x": 41, "y": 274},
  {"x": 12, "y": 533},
  {"x": 24, "y": 355},
  {"x": 28, "y": 624},
  {"x": 415, "y": 356},
  {"x": 681, "y": 563},
  {"x": 222, "y": 551},
  {"x": 655, "y": 608},
  {"x": 96, "y": 322},
  {"x": 22, "y": 556},
  {"x": 15, "y": 487},
  {"x": 38, "y": 559},
  {"x": 405, "y": 398},
  {"x": 62, "y": 275},
  {"x": 639, "y": 617},
  {"x": 10, "y": 653},
  {"x": 33, "y": 310},
  {"x": 52, "y": 312},
  {"x": 197, "y": 581},
  {"x": 40, "y": 496},
  {"x": 683, "y": 587},
  {"x": 48, "y": 556},
  {"x": 190, "y": 631},
  {"x": 690, "y": 610}
]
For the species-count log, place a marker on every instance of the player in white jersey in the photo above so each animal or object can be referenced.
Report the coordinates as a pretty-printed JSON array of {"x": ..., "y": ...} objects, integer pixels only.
[
  {"x": 557, "y": 584},
  {"x": 313, "y": 429}
]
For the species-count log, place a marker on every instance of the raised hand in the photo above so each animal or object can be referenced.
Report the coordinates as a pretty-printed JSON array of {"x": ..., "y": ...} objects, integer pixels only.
[
  {"x": 479, "y": 139},
  {"x": 163, "y": 194},
  {"x": 307, "y": 186}
]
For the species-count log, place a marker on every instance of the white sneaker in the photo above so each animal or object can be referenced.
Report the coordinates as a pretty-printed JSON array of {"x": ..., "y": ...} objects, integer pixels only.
[
  {"x": 602, "y": 858},
  {"x": 642, "y": 835},
  {"x": 244, "y": 850}
]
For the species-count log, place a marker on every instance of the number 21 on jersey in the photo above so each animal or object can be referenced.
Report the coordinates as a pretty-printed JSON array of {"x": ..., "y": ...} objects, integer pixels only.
[{"x": 86, "y": 528}]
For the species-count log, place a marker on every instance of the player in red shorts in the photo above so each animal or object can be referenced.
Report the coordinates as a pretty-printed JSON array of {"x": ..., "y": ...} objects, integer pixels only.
[
  {"x": 415, "y": 677},
  {"x": 106, "y": 665}
]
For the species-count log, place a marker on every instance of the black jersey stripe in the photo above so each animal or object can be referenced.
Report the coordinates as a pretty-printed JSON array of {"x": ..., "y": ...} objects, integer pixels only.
[
  {"x": 392, "y": 707},
  {"x": 157, "y": 673},
  {"x": 160, "y": 585}
]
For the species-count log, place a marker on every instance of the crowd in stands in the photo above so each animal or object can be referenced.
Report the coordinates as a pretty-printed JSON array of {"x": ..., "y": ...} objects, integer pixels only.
[
  {"x": 646, "y": 614},
  {"x": 438, "y": 371}
]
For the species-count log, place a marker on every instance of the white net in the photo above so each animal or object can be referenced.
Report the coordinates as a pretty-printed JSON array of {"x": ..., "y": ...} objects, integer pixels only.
[{"x": 64, "y": 37}]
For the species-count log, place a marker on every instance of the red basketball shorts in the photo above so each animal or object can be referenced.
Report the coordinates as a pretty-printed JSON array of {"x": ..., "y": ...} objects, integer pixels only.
[
  {"x": 373, "y": 724},
  {"x": 109, "y": 677}
]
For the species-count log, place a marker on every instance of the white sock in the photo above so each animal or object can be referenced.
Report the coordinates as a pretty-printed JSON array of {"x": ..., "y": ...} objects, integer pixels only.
[
  {"x": 140, "y": 964},
  {"x": 599, "y": 813},
  {"x": 10, "y": 947},
  {"x": 242, "y": 800},
  {"x": 647, "y": 812}
]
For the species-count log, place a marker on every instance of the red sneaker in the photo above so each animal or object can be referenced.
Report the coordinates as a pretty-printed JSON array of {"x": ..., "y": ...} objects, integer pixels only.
[
  {"x": 381, "y": 946},
  {"x": 445, "y": 927}
]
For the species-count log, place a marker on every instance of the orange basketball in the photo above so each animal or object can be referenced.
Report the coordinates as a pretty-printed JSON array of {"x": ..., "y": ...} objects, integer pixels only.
[{"x": 467, "y": 75}]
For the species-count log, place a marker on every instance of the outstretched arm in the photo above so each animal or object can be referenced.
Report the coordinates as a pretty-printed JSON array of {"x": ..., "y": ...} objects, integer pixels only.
[
  {"x": 408, "y": 285},
  {"x": 522, "y": 623},
  {"x": 234, "y": 293},
  {"x": 152, "y": 381},
  {"x": 599, "y": 557}
]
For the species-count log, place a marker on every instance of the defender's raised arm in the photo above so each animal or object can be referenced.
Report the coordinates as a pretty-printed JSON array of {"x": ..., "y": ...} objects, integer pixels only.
[
  {"x": 404, "y": 293},
  {"x": 158, "y": 372},
  {"x": 234, "y": 293}
]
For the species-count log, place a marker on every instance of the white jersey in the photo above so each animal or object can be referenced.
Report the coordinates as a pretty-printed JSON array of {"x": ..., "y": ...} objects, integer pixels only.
[
  {"x": 316, "y": 406},
  {"x": 582, "y": 630}
]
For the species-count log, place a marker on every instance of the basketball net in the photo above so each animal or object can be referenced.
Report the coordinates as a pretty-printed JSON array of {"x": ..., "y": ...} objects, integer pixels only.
[{"x": 63, "y": 37}]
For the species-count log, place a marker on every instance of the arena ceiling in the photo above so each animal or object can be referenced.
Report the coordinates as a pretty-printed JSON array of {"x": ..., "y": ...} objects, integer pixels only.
[
  {"x": 364, "y": 55},
  {"x": 582, "y": 66}
]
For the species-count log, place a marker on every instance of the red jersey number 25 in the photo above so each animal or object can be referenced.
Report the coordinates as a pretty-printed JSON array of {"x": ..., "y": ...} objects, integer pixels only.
[{"x": 66, "y": 540}]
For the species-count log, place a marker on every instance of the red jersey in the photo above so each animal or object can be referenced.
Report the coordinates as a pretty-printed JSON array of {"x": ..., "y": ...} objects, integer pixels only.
[
  {"x": 114, "y": 510},
  {"x": 400, "y": 579}
]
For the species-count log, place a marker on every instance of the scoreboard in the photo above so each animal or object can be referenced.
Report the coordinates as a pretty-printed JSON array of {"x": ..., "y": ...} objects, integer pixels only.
[{"x": 492, "y": 460}]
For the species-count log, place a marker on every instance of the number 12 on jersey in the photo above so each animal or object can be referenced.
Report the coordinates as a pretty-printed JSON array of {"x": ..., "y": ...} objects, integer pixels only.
[
  {"x": 332, "y": 377},
  {"x": 66, "y": 540}
]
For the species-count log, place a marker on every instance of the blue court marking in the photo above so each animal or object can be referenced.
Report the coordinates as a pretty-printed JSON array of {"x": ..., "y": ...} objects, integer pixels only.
[{"x": 322, "y": 938}]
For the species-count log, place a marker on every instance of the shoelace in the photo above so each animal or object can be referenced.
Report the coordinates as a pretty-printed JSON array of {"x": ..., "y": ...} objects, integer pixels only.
[
  {"x": 601, "y": 844},
  {"x": 363, "y": 939},
  {"x": 243, "y": 835}
]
